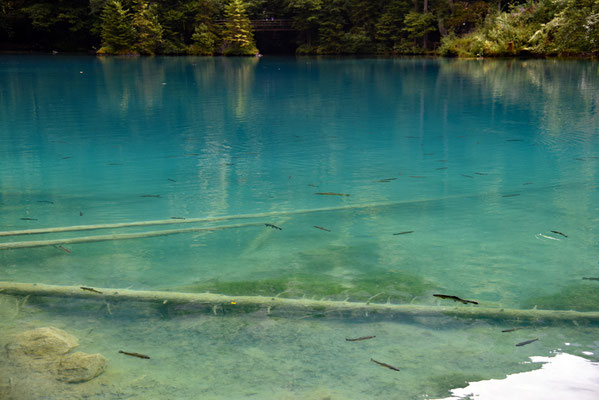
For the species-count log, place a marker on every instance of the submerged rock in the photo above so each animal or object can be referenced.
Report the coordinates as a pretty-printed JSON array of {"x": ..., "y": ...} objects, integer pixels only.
[
  {"x": 44, "y": 343},
  {"x": 45, "y": 352},
  {"x": 80, "y": 367}
]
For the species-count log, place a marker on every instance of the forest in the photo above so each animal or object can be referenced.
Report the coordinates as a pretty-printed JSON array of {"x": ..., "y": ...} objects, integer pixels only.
[{"x": 473, "y": 28}]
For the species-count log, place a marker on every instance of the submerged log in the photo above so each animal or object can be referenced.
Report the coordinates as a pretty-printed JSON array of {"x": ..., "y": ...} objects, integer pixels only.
[
  {"x": 303, "y": 305},
  {"x": 263, "y": 215},
  {"x": 119, "y": 236}
]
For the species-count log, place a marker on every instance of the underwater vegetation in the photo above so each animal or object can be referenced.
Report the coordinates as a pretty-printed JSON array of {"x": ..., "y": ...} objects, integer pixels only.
[
  {"x": 334, "y": 272},
  {"x": 579, "y": 297},
  {"x": 392, "y": 286}
]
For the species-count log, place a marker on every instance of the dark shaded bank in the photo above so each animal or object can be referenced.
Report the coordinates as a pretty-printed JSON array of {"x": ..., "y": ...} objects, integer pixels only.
[{"x": 283, "y": 43}]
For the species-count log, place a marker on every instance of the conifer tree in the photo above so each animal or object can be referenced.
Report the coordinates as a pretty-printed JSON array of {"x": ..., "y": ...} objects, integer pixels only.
[
  {"x": 237, "y": 35},
  {"x": 305, "y": 15},
  {"x": 331, "y": 29},
  {"x": 118, "y": 34},
  {"x": 148, "y": 29},
  {"x": 204, "y": 41}
]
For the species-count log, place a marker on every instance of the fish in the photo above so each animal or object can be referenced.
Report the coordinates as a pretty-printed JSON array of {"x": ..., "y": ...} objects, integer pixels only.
[
  {"x": 45, "y": 201},
  {"x": 29, "y": 219},
  {"x": 150, "y": 195},
  {"x": 481, "y": 173},
  {"x": 332, "y": 194},
  {"x": 524, "y": 343},
  {"x": 467, "y": 176},
  {"x": 417, "y": 176},
  {"x": 177, "y": 218},
  {"x": 89, "y": 289},
  {"x": 559, "y": 233},
  {"x": 311, "y": 185},
  {"x": 538, "y": 235},
  {"x": 273, "y": 226},
  {"x": 360, "y": 338},
  {"x": 229, "y": 163},
  {"x": 402, "y": 233},
  {"x": 442, "y": 168},
  {"x": 320, "y": 227},
  {"x": 63, "y": 248},
  {"x": 591, "y": 279},
  {"x": 382, "y": 364},
  {"x": 511, "y": 329},
  {"x": 527, "y": 183},
  {"x": 455, "y": 298},
  {"x": 66, "y": 158},
  {"x": 511, "y": 195},
  {"x": 172, "y": 180},
  {"x": 514, "y": 140},
  {"x": 80, "y": 214},
  {"x": 134, "y": 354},
  {"x": 579, "y": 159}
]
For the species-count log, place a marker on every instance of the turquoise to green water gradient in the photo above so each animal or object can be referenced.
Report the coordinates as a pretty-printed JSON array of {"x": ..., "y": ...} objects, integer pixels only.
[{"x": 475, "y": 178}]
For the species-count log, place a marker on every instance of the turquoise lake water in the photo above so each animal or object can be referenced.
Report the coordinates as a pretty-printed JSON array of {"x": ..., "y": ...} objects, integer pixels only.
[{"x": 475, "y": 178}]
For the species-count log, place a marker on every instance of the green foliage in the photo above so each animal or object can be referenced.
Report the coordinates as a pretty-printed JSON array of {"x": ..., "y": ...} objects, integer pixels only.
[
  {"x": 118, "y": 34},
  {"x": 466, "y": 16},
  {"x": 148, "y": 29},
  {"x": 357, "y": 41},
  {"x": 508, "y": 36},
  {"x": 331, "y": 29},
  {"x": 238, "y": 39},
  {"x": 305, "y": 20},
  {"x": 537, "y": 27},
  {"x": 574, "y": 29},
  {"x": 465, "y": 28},
  {"x": 204, "y": 41},
  {"x": 467, "y": 46},
  {"x": 41, "y": 15},
  {"x": 173, "y": 36},
  {"x": 417, "y": 25},
  {"x": 389, "y": 26}
]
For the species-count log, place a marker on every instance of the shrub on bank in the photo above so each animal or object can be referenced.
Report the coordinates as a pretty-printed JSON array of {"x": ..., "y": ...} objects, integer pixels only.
[{"x": 546, "y": 27}]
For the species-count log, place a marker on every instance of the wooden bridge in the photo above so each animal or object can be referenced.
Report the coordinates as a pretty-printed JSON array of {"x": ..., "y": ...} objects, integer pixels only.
[{"x": 265, "y": 25}]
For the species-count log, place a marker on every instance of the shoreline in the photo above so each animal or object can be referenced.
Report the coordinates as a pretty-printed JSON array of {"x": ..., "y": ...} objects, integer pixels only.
[{"x": 566, "y": 56}]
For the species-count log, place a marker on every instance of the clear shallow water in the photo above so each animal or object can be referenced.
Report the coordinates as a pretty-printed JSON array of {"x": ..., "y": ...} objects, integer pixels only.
[{"x": 477, "y": 158}]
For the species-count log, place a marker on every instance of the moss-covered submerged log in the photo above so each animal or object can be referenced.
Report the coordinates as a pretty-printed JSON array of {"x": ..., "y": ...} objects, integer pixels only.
[{"x": 219, "y": 303}]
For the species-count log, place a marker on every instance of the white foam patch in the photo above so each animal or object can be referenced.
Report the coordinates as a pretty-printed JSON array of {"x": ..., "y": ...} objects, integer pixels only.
[{"x": 561, "y": 377}]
